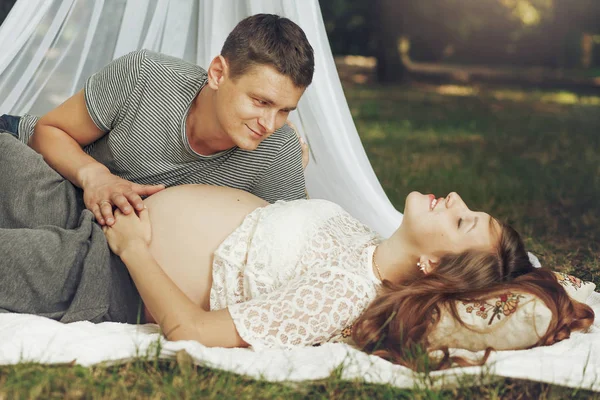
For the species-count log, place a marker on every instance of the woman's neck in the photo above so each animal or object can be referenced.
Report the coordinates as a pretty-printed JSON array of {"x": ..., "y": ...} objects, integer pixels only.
[{"x": 395, "y": 261}]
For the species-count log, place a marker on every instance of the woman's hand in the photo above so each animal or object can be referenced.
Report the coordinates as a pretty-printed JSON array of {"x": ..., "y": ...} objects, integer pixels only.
[
  {"x": 305, "y": 149},
  {"x": 129, "y": 231}
]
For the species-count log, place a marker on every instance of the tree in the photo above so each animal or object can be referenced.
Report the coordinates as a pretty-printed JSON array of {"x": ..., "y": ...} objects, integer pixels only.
[
  {"x": 387, "y": 28},
  {"x": 368, "y": 28},
  {"x": 494, "y": 32}
]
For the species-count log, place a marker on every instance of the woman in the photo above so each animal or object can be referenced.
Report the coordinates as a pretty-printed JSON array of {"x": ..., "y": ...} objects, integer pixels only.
[
  {"x": 222, "y": 267},
  {"x": 302, "y": 272}
]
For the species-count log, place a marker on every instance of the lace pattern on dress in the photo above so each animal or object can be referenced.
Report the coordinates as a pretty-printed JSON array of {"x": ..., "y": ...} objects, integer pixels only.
[{"x": 295, "y": 273}]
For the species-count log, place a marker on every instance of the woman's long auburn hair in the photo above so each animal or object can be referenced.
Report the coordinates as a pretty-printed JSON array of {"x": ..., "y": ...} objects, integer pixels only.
[{"x": 397, "y": 323}]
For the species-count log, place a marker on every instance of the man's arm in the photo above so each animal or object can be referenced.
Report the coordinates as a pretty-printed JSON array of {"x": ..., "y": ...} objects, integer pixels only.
[{"x": 60, "y": 136}]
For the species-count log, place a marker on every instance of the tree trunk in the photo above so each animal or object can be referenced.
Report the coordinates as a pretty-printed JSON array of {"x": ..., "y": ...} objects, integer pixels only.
[
  {"x": 387, "y": 23},
  {"x": 560, "y": 30}
]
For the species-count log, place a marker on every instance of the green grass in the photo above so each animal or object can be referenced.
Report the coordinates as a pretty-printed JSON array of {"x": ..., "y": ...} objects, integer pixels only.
[
  {"x": 532, "y": 158},
  {"x": 170, "y": 379},
  {"x": 182, "y": 380}
]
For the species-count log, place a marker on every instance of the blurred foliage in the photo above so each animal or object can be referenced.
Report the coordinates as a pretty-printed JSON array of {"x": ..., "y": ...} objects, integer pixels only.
[
  {"x": 347, "y": 25},
  {"x": 516, "y": 32}
]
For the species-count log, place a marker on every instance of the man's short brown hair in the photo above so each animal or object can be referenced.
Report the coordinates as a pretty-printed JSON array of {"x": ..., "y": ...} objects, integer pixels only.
[{"x": 267, "y": 39}]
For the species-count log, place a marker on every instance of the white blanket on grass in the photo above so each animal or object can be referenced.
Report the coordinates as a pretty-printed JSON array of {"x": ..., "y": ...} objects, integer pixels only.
[{"x": 574, "y": 362}]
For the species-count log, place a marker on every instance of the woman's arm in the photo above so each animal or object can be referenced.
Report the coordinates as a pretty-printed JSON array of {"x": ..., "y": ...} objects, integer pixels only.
[{"x": 178, "y": 316}]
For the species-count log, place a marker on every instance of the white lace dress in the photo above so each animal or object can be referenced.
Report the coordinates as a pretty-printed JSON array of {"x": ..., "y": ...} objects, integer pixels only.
[{"x": 295, "y": 273}]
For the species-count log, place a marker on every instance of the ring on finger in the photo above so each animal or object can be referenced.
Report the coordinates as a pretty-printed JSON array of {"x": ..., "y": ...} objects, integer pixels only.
[{"x": 105, "y": 201}]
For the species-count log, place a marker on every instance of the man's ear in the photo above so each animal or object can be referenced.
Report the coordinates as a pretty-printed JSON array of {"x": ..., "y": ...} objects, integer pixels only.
[
  {"x": 217, "y": 72},
  {"x": 427, "y": 264}
]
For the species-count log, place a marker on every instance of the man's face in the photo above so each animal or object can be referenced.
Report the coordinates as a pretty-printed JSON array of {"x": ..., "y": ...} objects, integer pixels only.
[{"x": 254, "y": 105}]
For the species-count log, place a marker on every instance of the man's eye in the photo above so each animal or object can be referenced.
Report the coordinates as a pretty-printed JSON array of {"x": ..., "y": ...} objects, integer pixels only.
[
  {"x": 459, "y": 222},
  {"x": 261, "y": 102}
]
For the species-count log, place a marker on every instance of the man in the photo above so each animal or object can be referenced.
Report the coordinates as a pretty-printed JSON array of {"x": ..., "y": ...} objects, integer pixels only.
[{"x": 147, "y": 120}]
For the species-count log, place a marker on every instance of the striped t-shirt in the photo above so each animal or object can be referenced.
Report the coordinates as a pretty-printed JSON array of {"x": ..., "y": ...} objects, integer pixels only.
[{"x": 142, "y": 100}]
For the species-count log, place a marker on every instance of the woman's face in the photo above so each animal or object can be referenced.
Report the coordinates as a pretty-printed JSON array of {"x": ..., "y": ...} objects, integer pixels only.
[{"x": 446, "y": 225}]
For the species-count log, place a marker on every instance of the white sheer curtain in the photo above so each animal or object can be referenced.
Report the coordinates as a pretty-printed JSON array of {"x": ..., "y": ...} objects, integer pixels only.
[{"x": 51, "y": 46}]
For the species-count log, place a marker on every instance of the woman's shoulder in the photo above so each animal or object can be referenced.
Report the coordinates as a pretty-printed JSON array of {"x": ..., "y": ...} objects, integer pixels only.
[{"x": 327, "y": 215}]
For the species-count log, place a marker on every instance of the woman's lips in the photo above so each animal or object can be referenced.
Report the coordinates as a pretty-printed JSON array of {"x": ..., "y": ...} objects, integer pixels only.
[{"x": 433, "y": 202}]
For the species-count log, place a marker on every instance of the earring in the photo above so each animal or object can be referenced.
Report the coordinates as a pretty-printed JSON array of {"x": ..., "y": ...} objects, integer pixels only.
[{"x": 421, "y": 266}]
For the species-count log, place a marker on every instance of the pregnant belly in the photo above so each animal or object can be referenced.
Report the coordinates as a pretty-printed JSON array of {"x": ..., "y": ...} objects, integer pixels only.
[{"x": 189, "y": 222}]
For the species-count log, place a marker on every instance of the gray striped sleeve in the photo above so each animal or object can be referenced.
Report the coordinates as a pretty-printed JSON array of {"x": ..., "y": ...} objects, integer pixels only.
[
  {"x": 284, "y": 177},
  {"x": 108, "y": 90},
  {"x": 26, "y": 127}
]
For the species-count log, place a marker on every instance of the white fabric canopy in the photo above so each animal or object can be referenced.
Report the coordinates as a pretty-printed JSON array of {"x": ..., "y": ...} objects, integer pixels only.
[{"x": 51, "y": 46}]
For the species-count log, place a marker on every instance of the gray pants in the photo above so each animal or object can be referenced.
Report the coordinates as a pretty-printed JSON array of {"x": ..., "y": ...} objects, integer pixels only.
[{"x": 54, "y": 259}]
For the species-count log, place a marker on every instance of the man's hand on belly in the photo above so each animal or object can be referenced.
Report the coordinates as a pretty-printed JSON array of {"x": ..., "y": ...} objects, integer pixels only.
[{"x": 102, "y": 191}]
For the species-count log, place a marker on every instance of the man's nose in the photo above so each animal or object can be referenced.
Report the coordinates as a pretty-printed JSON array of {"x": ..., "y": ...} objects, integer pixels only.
[{"x": 267, "y": 121}]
